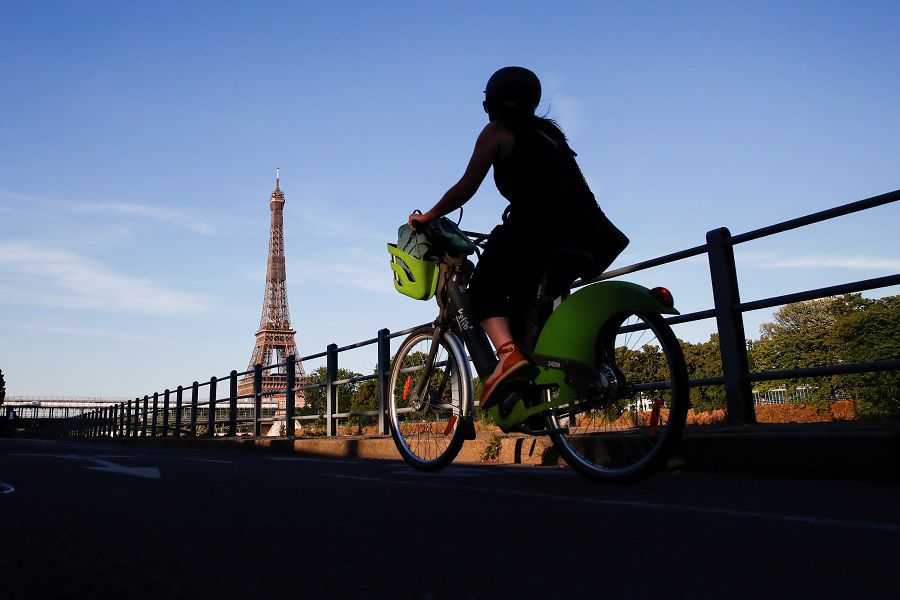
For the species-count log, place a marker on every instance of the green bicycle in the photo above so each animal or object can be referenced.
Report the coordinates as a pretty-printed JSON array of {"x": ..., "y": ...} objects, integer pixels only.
[{"x": 612, "y": 386}]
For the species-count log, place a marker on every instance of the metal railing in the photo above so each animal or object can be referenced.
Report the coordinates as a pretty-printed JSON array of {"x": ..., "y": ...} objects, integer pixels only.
[{"x": 142, "y": 418}]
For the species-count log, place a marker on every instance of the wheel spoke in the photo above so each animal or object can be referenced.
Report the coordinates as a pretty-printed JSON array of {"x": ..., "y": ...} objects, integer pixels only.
[
  {"x": 419, "y": 424},
  {"x": 626, "y": 438}
]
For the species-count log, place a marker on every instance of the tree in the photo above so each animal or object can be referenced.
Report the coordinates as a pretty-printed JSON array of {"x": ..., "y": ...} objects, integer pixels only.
[
  {"x": 365, "y": 399},
  {"x": 315, "y": 398},
  {"x": 869, "y": 335},
  {"x": 705, "y": 360},
  {"x": 804, "y": 335},
  {"x": 832, "y": 331}
]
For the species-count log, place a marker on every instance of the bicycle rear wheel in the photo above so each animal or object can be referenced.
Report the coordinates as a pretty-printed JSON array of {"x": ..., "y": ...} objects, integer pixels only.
[
  {"x": 427, "y": 430},
  {"x": 628, "y": 437}
]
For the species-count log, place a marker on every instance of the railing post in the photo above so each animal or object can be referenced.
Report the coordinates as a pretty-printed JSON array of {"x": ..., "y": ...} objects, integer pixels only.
[
  {"x": 194, "y": 393},
  {"x": 331, "y": 390},
  {"x": 384, "y": 366},
  {"x": 730, "y": 322},
  {"x": 128, "y": 419},
  {"x": 153, "y": 419},
  {"x": 178, "y": 401},
  {"x": 290, "y": 396},
  {"x": 211, "y": 418},
  {"x": 122, "y": 419},
  {"x": 257, "y": 400},
  {"x": 134, "y": 416},
  {"x": 144, "y": 414},
  {"x": 232, "y": 404},
  {"x": 165, "y": 432}
]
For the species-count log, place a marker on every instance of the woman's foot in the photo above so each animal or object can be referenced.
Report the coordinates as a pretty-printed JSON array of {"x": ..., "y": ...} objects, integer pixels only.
[{"x": 511, "y": 362}]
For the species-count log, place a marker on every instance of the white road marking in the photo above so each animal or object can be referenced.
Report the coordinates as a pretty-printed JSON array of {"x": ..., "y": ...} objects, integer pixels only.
[
  {"x": 449, "y": 472},
  {"x": 323, "y": 460},
  {"x": 5, "y": 489},
  {"x": 110, "y": 467},
  {"x": 651, "y": 505},
  {"x": 74, "y": 456},
  {"x": 224, "y": 462}
]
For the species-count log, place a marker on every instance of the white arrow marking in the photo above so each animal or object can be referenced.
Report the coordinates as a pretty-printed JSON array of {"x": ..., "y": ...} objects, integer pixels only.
[{"x": 107, "y": 466}]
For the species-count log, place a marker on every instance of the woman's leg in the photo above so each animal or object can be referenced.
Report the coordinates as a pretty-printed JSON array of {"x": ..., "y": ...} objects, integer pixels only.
[{"x": 497, "y": 329}]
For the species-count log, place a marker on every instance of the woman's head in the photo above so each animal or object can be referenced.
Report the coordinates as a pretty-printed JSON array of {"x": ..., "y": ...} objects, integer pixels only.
[{"x": 512, "y": 95}]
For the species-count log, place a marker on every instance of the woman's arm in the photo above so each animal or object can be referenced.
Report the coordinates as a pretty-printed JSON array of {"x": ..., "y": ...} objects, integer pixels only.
[{"x": 487, "y": 150}]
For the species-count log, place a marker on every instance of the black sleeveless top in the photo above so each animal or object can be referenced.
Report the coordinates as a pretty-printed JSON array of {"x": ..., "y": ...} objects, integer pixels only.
[{"x": 541, "y": 180}]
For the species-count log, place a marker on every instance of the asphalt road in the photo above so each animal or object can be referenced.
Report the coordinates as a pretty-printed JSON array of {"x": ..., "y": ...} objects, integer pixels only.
[{"x": 88, "y": 520}]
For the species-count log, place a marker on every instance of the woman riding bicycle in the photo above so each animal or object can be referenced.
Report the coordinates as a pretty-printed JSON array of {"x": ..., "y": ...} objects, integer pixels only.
[{"x": 550, "y": 207}]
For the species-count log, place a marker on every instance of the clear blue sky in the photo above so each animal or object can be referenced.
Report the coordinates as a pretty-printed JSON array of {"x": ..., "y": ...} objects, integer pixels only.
[{"x": 138, "y": 143}]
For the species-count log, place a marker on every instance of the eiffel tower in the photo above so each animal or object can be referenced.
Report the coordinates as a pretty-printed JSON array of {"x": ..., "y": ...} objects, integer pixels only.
[{"x": 275, "y": 338}]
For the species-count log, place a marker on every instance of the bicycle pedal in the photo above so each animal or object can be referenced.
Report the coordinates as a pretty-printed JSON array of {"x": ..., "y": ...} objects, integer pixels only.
[
  {"x": 508, "y": 403},
  {"x": 468, "y": 428}
]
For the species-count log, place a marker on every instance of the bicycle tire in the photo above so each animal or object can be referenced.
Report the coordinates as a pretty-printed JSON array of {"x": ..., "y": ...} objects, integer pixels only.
[
  {"x": 429, "y": 436},
  {"x": 630, "y": 438}
]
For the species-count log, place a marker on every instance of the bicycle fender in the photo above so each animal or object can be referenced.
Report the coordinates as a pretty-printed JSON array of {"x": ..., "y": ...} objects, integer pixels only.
[{"x": 571, "y": 333}]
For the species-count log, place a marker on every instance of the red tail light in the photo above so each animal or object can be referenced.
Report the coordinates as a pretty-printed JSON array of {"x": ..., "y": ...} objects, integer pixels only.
[{"x": 663, "y": 296}]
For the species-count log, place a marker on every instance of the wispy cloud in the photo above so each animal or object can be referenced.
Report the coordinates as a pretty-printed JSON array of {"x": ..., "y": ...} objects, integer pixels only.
[
  {"x": 369, "y": 274},
  {"x": 320, "y": 225},
  {"x": 568, "y": 110},
  {"x": 172, "y": 217},
  {"x": 34, "y": 274},
  {"x": 89, "y": 332},
  {"x": 177, "y": 218},
  {"x": 819, "y": 261}
]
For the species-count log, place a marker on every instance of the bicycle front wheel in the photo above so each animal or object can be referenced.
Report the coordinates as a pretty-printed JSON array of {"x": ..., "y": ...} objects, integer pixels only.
[
  {"x": 427, "y": 428},
  {"x": 630, "y": 435}
]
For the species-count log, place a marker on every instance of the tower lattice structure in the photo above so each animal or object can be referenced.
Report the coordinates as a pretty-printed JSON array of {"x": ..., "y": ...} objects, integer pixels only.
[{"x": 275, "y": 338}]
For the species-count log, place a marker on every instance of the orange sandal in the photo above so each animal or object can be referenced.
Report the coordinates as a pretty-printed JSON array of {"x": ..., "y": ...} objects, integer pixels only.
[{"x": 511, "y": 362}]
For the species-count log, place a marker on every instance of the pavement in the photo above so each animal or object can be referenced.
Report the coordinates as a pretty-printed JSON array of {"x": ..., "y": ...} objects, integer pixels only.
[
  {"x": 849, "y": 450},
  {"x": 93, "y": 519}
]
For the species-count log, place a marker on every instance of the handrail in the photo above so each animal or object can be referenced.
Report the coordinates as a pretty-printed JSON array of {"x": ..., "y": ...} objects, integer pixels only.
[{"x": 131, "y": 417}]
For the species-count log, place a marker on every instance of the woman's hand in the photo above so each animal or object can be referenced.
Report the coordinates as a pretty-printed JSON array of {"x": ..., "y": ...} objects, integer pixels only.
[{"x": 416, "y": 220}]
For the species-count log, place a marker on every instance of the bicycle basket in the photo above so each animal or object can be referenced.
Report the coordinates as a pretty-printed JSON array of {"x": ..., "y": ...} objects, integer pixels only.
[{"x": 413, "y": 277}]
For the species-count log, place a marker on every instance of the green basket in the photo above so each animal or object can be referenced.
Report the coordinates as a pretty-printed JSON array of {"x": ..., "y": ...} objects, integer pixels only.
[{"x": 413, "y": 277}]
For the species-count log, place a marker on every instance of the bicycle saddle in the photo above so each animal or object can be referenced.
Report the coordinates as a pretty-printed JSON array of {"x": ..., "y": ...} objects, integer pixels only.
[{"x": 570, "y": 259}]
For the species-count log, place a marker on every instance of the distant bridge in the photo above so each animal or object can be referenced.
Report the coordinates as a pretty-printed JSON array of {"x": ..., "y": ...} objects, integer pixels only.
[{"x": 45, "y": 408}]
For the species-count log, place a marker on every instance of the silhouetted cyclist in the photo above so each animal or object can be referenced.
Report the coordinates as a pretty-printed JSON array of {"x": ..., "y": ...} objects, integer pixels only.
[{"x": 550, "y": 206}]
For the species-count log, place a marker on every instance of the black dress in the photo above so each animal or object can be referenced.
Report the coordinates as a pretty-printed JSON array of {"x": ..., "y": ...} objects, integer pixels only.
[{"x": 550, "y": 206}]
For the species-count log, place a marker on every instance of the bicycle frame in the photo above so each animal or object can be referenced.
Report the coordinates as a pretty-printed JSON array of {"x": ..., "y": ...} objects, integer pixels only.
[{"x": 564, "y": 341}]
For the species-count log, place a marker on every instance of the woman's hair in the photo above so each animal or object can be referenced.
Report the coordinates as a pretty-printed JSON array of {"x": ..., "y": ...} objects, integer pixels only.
[{"x": 516, "y": 123}]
